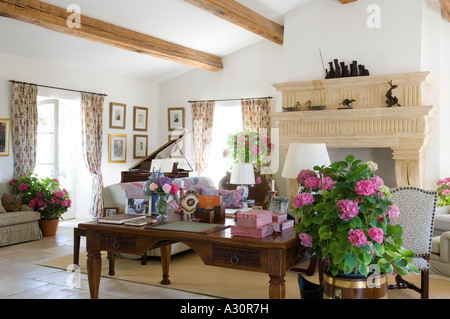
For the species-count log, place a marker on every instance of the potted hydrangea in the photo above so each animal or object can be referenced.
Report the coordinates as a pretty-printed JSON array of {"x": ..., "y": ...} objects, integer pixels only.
[
  {"x": 46, "y": 196},
  {"x": 344, "y": 216},
  {"x": 443, "y": 191}
]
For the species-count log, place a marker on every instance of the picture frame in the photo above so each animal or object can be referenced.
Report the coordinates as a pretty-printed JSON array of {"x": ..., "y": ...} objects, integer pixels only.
[
  {"x": 279, "y": 204},
  {"x": 140, "y": 118},
  {"x": 117, "y": 148},
  {"x": 176, "y": 118},
  {"x": 117, "y": 115},
  {"x": 140, "y": 146},
  {"x": 138, "y": 205},
  {"x": 4, "y": 137},
  {"x": 110, "y": 211}
]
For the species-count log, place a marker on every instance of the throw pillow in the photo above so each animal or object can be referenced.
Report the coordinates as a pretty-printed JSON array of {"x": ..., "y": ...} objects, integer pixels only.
[
  {"x": 209, "y": 191},
  {"x": 232, "y": 198},
  {"x": 12, "y": 202}
]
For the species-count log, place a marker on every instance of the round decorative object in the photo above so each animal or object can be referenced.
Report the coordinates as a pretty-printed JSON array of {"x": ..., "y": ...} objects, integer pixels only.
[
  {"x": 188, "y": 202},
  {"x": 48, "y": 227},
  {"x": 355, "y": 287}
]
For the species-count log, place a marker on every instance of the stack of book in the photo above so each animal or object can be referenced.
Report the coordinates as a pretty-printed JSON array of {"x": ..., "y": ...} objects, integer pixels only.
[{"x": 260, "y": 223}]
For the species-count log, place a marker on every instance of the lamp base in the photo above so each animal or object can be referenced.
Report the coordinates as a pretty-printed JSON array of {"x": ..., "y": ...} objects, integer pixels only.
[{"x": 245, "y": 188}]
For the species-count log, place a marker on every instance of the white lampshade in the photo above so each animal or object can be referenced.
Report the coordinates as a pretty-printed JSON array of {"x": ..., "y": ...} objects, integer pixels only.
[
  {"x": 242, "y": 174},
  {"x": 304, "y": 156}
]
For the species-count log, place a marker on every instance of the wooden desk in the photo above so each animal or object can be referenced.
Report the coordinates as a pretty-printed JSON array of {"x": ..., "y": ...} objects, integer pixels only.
[{"x": 273, "y": 255}]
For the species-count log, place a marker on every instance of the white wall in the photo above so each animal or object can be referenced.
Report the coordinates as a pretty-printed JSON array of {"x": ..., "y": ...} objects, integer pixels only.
[{"x": 131, "y": 92}]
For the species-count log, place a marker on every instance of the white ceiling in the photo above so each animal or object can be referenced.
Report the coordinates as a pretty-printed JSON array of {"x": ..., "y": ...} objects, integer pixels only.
[{"x": 172, "y": 20}]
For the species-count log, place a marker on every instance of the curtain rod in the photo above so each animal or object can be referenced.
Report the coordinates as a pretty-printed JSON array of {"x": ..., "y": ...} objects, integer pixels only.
[
  {"x": 223, "y": 100},
  {"x": 58, "y": 88}
]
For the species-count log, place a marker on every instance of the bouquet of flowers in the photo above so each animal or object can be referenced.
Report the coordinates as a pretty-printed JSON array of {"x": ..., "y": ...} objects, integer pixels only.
[
  {"x": 164, "y": 187},
  {"x": 443, "y": 191},
  {"x": 248, "y": 147},
  {"x": 344, "y": 216},
  {"x": 43, "y": 195}
]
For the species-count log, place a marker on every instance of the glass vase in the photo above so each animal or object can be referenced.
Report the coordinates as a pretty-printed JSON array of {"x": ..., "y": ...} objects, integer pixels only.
[{"x": 162, "y": 206}]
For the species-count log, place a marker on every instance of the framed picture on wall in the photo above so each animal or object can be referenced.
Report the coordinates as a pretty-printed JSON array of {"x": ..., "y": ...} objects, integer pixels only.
[
  {"x": 140, "y": 143},
  {"x": 176, "y": 118},
  {"x": 117, "y": 148},
  {"x": 117, "y": 115},
  {"x": 4, "y": 137},
  {"x": 140, "y": 116}
]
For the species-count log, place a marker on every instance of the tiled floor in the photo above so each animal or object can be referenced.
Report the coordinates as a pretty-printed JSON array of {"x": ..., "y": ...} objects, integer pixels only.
[{"x": 22, "y": 278}]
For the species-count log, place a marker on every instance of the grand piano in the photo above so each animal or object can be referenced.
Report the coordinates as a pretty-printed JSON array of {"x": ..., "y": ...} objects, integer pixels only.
[{"x": 169, "y": 155}]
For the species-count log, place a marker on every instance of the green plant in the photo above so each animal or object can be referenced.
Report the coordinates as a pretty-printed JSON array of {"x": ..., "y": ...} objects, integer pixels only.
[
  {"x": 443, "y": 191},
  {"x": 43, "y": 195},
  {"x": 344, "y": 216},
  {"x": 248, "y": 147}
]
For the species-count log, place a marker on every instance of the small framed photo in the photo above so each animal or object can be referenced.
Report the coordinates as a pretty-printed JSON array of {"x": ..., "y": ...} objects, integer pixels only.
[
  {"x": 176, "y": 118},
  {"x": 140, "y": 143},
  {"x": 140, "y": 116},
  {"x": 137, "y": 205},
  {"x": 4, "y": 137},
  {"x": 117, "y": 148},
  {"x": 110, "y": 211},
  {"x": 117, "y": 115}
]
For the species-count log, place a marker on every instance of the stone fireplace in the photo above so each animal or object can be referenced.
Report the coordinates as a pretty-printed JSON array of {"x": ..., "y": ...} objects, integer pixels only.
[{"x": 368, "y": 124}]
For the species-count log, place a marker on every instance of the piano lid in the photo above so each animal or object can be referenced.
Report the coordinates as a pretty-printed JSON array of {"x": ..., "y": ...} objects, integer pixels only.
[{"x": 164, "y": 152}]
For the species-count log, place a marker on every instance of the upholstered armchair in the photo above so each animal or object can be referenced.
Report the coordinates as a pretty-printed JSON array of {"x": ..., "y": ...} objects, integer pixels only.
[
  {"x": 417, "y": 208},
  {"x": 440, "y": 255}
]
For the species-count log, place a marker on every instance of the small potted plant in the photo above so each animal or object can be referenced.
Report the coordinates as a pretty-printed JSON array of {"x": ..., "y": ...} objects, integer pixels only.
[
  {"x": 45, "y": 196},
  {"x": 443, "y": 191},
  {"x": 343, "y": 215}
]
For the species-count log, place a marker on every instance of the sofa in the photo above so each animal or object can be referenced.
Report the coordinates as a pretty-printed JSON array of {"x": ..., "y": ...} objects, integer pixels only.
[
  {"x": 441, "y": 220},
  {"x": 116, "y": 194},
  {"x": 18, "y": 224}
]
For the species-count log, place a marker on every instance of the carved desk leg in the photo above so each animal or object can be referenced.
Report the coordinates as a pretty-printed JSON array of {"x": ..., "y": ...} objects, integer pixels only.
[
  {"x": 277, "y": 271},
  {"x": 94, "y": 269},
  {"x": 165, "y": 262}
]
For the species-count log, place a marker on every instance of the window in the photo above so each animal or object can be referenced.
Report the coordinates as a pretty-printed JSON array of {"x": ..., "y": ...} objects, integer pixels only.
[
  {"x": 227, "y": 120},
  {"x": 59, "y": 144}
]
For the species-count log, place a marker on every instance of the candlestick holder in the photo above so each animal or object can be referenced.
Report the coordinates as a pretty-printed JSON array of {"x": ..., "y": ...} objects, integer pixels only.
[{"x": 272, "y": 194}]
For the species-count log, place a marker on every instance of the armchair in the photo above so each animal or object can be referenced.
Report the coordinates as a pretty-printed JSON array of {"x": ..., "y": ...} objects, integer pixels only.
[{"x": 440, "y": 255}]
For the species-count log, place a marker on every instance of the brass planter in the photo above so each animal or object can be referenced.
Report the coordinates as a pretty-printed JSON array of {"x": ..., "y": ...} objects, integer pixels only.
[{"x": 354, "y": 288}]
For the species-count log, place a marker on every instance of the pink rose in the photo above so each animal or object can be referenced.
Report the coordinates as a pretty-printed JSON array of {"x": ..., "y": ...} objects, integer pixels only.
[
  {"x": 376, "y": 234},
  {"x": 306, "y": 240},
  {"x": 365, "y": 188},
  {"x": 255, "y": 149},
  {"x": 166, "y": 188},
  {"x": 60, "y": 194},
  {"x": 23, "y": 187},
  {"x": 303, "y": 199},
  {"x": 265, "y": 140},
  {"x": 258, "y": 180},
  {"x": 12, "y": 182},
  {"x": 271, "y": 146},
  {"x": 153, "y": 186},
  {"x": 357, "y": 237},
  {"x": 347, "y": 209},
  {"x": 174, "y": 189}
]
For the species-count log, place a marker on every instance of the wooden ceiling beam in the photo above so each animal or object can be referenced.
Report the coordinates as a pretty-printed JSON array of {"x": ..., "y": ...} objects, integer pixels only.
[
  {"x": 55, "y": 18},
  {"x": 445, "y": 4},
  {"x": 347, "y": 1},
  {"x": 236, "y": 13}
]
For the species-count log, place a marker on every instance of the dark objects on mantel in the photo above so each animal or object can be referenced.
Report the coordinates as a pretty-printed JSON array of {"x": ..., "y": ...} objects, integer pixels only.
[{"x": 341, "y": 70}]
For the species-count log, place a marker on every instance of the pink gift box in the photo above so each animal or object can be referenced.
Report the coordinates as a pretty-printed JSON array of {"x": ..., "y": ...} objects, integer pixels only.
[
  {"x": 285, "y": 224},
  {"x": 253, "y": 218},
  {"x": 259, "y": 232},
  {"x": 279, "y": 217}
]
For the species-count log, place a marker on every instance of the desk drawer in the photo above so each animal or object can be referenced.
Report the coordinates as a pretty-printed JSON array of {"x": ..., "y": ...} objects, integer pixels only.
[
  {"x": 236, "y": 256},
  {"x": 117, "y": 241}
]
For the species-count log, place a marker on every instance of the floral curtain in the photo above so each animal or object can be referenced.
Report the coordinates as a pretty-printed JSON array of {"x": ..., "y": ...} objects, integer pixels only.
[
  {"x": 202, "y": 123},
  {"x": 24, "y": 120},
  {"x": 91, "y": 139},
  {"x": 256, "y": 116}
]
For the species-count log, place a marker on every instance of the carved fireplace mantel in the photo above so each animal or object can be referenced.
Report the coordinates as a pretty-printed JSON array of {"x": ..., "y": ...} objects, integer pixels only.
[{"x": 369, "y": 124}]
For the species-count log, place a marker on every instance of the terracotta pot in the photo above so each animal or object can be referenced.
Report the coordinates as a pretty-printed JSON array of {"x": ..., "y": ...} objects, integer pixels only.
[
  {"x": 354, "y": 287},
  {"x": 49, "y": 227}
]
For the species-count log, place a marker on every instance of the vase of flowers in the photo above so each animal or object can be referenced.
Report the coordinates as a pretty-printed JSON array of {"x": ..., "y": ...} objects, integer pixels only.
[
  {"x": 165, "y": 189},
  {"x": 344, "y": 216},
  {"x": 45, "y": 196},
  {"x": 443, "y": 191}
]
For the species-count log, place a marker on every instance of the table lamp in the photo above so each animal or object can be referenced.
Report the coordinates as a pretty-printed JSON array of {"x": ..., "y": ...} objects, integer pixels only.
[
  {"x": 243, "y": 174},
  {"x": 304, "y": 156}
]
